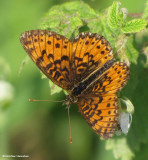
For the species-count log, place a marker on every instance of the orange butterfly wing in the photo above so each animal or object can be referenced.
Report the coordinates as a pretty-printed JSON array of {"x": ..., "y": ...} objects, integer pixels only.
[
  {"x": 63, "y": 62},
  {"x": 90, "y": 51},
  {"x": 99, "y": 104},
  {"x": 52, "y": 54}
]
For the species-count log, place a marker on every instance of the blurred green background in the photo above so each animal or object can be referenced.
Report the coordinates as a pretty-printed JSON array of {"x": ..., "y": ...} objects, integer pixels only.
[{"x": 40, "y": 129}]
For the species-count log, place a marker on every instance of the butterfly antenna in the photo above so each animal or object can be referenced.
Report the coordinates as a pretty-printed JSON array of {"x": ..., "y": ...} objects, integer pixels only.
[
  {"x": 33, "y": 100},
  {"x": 69, "y": 124}
]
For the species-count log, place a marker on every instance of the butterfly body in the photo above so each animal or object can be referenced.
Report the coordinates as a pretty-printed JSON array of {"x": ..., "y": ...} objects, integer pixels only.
[
  {"x": 92, "y": 78},
  {"x": 86, "y": 69}
]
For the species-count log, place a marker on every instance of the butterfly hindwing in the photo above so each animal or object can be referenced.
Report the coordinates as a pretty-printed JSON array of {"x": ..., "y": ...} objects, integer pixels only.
[
  {"x": 112, "y": 81},
  {"x": 51, "y": 53},
  {"x": 101, "y": 113},
  {"x": 99, "y": 103}
]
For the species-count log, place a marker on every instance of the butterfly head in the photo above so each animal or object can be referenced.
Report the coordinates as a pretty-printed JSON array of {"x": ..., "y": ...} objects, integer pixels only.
[{"x": 70, "y": 99}]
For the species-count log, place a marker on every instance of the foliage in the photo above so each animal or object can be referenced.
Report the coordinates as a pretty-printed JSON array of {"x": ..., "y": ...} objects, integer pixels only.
[
  {"x": 40, "y": 129},
  {"x": 145, "y": 14},
  {"x": 119, "y": 28},
  {"x": 120, "y": 148}
]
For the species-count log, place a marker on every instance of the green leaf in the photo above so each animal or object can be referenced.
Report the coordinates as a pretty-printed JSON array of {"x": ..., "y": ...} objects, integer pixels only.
[
  {"x": 136, "y": 91},
  {"x": 121, "y": 18},
  {"x": 25, "y": 61},
  {"x": 101, "y": 27},
  {"x": 125, "y": 49},
  {"x": 43, "y": 76},
  {"x": 145, "y": 14},
  {"x": 79, "y": 8},
  {"x": 120, "y": 148},
  {"x": 120, "y": 46},
  {"x": 68, "y": 17},
  {"x": 95, "y": 26},
  {"x": 145, "y": 51},
  {"x": 116, "y": 16},
  {"x": 142, "y": 155},
  {"x": 54, "y": 88},
  {"x": 129, "y": 105},
  {"x": 130, "y": 51},
  {"x": 112, "y": 15},
  {"x": 109, "y": 34},
  {"x": 135, "y": 25}
]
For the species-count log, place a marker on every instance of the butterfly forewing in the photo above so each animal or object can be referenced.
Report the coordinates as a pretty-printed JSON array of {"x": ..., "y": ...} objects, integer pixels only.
[
  {"x": 51, "y": 53},
  {"x": 90, "y": 51}
]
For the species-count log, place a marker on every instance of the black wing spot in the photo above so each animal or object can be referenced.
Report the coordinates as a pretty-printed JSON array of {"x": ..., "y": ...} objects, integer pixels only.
[
  {"x": 49, "y": 65},
  {"x": 66, "y": 58},
  {"x": 87, "y": 53},
  {"x": 50, "y": 56},
  {"x": 43, "y": 52},
  {"x": 57, "y": 75},
  {"x": 99, "y": 112},
  {"x": 80, "y": 69},
  {"x": 57, "y": 45},
  {"x": 107, "y": 49},
  {"x": 102, "y": 52},
  {"x": 100, "y": 118},
  {"x": 38, "y": 60},
  {"x": 86, "y": 42},
  {"x": 98, "y": 47},
  {"x": 49, "y": 42},
  {"x": 114, "y": 104},
  {"x": 58, "y": 38},
  {"x": 108, "y": 105},
  {"x": 57, "y": 62}
]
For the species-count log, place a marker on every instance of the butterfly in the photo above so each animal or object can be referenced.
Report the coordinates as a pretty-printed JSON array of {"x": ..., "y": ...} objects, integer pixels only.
[{"x": 86, "y": 69}]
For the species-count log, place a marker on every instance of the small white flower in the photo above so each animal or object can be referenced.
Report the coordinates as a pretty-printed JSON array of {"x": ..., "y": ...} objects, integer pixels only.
[{"x": 6, "y": 92}]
